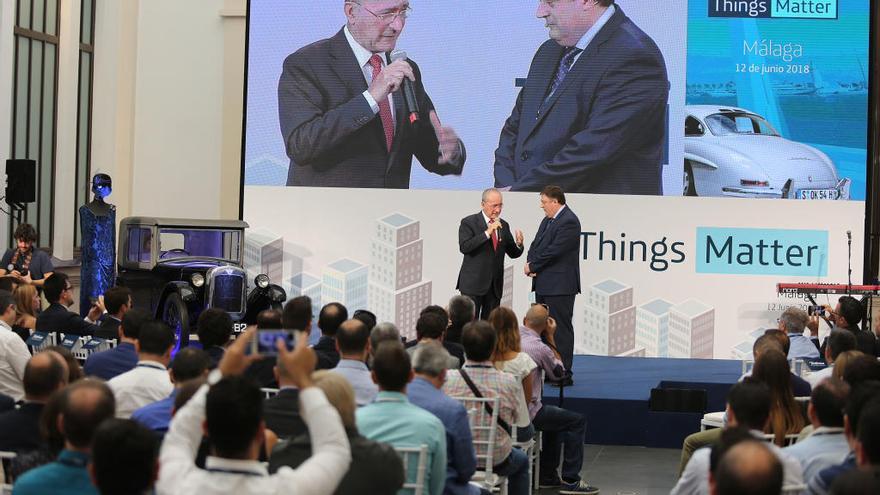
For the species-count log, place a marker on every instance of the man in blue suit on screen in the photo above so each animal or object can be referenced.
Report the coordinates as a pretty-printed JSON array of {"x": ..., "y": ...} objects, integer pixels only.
[
  {"x": 553, "y": 264},
  {"x": 592, "y": 114}
]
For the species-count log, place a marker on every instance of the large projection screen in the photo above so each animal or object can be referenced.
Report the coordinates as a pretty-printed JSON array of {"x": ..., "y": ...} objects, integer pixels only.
[{"x": 730, "y": 153}]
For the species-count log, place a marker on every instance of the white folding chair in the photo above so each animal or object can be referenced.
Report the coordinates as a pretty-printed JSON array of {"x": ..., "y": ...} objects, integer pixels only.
[
  {"x": 712, "y": 420},
  {"x": 793, "y": 489},
  {"x": 484, "y": 428},
  {"x": 532, "y": 447},
  {"x": 420, "y": 455},
  {"x": 5, "y": 460},
  {"x": 268, "y": 393},
  {"x": 789, "y": 439},
  {"x": 747, "y": 366}
]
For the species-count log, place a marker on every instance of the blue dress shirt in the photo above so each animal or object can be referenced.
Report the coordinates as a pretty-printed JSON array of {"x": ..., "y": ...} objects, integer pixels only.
[
  {"x": 461, "y": 459},
  {"x": 111, "y": 363},
  {"x": 156, "y": 416},
  {"x": 393, "y": 420},
  {"x": 825, "y": 447},
  {"x": 802, "y": 347},
  {"x": 67, "y": 476},
  {"x": 357, "y": 373}
]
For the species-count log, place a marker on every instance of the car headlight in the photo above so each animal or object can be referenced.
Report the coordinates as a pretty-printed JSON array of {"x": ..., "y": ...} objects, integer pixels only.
[
  {"x": 262, "y": 281},
  {"x": 197, "y": 279}
]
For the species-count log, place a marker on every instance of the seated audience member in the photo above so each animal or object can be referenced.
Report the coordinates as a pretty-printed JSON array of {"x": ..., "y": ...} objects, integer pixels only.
[
  {"x": 838, "y": 342},
  {"x": 14, "y": 353},
  {"x": 748, "y": 467},
  {"x": 297, "y": 314},
  {"x": 792, "y": 322},
  {"x": 331, "y": 316},
  {"x": 857, "y": 482},
  {"x": 74, "y": 370},
  {"x": 214, "y": 331},
  {"x": 748, "y": 406},
  {"x": 479, "y": 339},
  {"x": 125, "y": 458},
  {"x": 27, "y": 306},
  {"x": 230, "y": 410},
  {"x": 117, "y": 300},
  {"x": 786, "y": 418},
  {"x": 827, "y": 444},
  {"x": 56, "y": 318},
  {"x": 799, "y": 386},
  {"x": 847, "y": 315},
  {"x": 6, "y": 403},
  {"x": 375, "y": 467},
  {"x": 861, "y": 368},
  {"x": 842, "y": 360},
  {"x": 461, "y": 312},
  {"x": 263, "y": 370},
  {"x": 281, "y": 412},
  {"x": 44, "y": 374},
  {"x": 430, "y": 363},
  {"x": 9, "y": 283},
  {"x": 380, "y": 333},
  {"x": 116, "y": 361},
  {"x": 365, "y": 317},
  {"x": 353, "y": 343},
  {"x": 561, "y": 427},
  {"x": 863, "y": 402},
  {"x": 148, "y": 381},
  {"x": 392, "y": 419},
  {"x": 51, "y": 438},
  {"x": 508, "y": 355},
  {"x": 429, "y": 329},
  {"x": 87, "y": 404},
  {"x": 189, "y": 364},
  {"x": 454, "y": 349}
]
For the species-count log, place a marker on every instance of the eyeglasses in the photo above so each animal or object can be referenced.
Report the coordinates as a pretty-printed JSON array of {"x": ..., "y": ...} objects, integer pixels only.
[{"x": 389, "y": 17}]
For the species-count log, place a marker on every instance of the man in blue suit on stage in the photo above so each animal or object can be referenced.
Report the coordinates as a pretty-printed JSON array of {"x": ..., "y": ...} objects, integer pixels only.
[
  {"x": 553, "y": 264},
  {"x": 592, "y": 114}
]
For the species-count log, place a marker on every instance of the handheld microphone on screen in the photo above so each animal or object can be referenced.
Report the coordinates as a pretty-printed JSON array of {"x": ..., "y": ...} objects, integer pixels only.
[{"x": 409, "y": 92}]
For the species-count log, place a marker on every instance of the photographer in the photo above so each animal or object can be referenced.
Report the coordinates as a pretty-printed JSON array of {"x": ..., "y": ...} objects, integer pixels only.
[
  {"x": 26, "y": 263},
  {"x": 845, "y": 316}
]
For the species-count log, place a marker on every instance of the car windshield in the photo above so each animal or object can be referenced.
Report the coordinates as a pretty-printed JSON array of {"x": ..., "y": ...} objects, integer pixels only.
[
  {"x": 181, "y": 242},
  {"x": 723, "y": 124}
]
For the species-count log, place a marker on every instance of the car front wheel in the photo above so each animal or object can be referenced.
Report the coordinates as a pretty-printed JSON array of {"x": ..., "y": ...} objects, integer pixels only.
[
  {"x": 176, "y": 315},
  {"x": 688, "y": 187}
]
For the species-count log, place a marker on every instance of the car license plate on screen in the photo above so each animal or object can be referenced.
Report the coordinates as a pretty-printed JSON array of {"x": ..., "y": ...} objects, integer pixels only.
[{"x": 819, "y": 194}]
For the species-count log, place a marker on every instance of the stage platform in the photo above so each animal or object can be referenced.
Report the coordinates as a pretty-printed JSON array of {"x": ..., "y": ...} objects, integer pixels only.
[{"x": 613, "y": 393}]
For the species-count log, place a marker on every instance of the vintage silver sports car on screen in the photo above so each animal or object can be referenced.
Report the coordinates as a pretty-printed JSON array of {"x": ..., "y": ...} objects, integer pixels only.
[{"x": 734, "y": 152}]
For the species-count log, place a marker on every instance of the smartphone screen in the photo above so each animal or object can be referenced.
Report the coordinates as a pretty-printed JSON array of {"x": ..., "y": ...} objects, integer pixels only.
[{"x": 264, "y": 341}]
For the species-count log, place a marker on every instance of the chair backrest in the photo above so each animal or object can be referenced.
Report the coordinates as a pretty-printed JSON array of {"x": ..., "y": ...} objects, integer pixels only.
[
  {"x": 419, "y": 455},
  {"x": 793, "y": 489},
  {"x": 748, "y": 364},
  {"x": 790, "y": 439},
  {"x": 5, "y": 460},
  {"x": 484, "y": 428},
  {"x": 269, "y": 392},
  {"x": 799, "y": 367}
]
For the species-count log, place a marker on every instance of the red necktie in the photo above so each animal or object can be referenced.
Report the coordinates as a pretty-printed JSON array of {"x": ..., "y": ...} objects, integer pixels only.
[
  {"x": 494, "y": 236},
  {"x": 384, "y": 106}
]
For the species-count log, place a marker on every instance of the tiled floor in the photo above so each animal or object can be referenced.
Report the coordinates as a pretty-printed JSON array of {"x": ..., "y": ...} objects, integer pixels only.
[{"x": 618, "y": 470}]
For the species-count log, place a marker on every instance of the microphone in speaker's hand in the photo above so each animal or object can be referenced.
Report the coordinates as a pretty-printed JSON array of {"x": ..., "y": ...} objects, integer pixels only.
[{"x": 409, "y": 92}]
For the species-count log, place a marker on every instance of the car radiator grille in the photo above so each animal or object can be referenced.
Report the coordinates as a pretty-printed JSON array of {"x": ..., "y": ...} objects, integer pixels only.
[{"x": 227, "y": 291}]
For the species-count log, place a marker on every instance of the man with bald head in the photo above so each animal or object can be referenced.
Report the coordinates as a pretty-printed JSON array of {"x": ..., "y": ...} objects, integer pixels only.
[
  {"x": 44, "y": 374},
  {"x": 748, "y": 467},
  {"x": 87, "y": 405},
  {"x": 483, "y": 239},
  {"x": 342, "y": 113}
]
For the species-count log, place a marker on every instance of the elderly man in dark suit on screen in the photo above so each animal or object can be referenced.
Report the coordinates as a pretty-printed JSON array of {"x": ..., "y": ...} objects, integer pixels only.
[
  {"x": 484, "y": 238},
  {"x": 591, "y": 117},
  {"x": 553, "y": 264},
  {"x": 344, "y": 121}
]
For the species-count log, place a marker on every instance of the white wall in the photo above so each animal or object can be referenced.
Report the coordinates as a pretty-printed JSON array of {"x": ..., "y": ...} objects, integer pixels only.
[{"x": 7, "y": 24}]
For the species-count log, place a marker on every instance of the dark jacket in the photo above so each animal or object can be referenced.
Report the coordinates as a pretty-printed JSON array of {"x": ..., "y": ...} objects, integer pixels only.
[
  {"x": 328, "y": 356},
  {"x": 20, "y": 428},
  {"x": 109, "y": 328},
  {"x": 375, "y": 468},
  {"x": 554, "y": 255},
  {"x": 56, "y": 318},
  {"x": 281, "y": 414},
  {"x": 482, "y": 268}
]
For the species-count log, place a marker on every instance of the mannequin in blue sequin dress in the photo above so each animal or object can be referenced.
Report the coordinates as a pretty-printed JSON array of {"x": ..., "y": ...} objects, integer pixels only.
[{"x": 98, "y": 226}]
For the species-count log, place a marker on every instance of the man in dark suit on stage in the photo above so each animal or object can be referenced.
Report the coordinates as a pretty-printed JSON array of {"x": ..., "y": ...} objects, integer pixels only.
[
  {"x": 484, "y": 238},
  {"x": 344, "y": 122},
  {"x": 592, "y": 114},
  {"x": 553, "y": 263}
]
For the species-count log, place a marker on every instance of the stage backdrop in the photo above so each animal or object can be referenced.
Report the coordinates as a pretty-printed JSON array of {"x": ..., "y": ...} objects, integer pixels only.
[{"x": 767, "y": 102}]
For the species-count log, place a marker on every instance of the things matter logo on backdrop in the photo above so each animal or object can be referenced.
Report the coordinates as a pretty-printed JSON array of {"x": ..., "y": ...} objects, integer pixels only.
[{"x": 774, "y": 9}]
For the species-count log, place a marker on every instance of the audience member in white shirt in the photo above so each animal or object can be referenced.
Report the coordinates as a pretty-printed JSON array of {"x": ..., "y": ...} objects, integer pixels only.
[
  {"x": 748, "y": 406},
  {"x": 839, "y": 342},
  {"x": 228, "y": 411},
  {"x": 149, "y": 381},
  {"x": 14, "y": 353}
]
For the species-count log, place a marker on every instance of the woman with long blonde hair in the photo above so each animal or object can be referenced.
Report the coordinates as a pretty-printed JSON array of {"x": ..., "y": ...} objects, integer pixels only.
[
  {"x": 786, "y": 417},
  {"x": 508, "y": 355},
  {"x": 27, "y": 305}
]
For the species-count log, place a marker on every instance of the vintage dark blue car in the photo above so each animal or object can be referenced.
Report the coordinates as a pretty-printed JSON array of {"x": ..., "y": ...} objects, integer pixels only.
[{"x": 176, "y": 268}]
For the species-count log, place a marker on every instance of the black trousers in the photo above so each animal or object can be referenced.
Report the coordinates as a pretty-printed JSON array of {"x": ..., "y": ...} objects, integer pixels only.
[
  {"x": 562, "y": 310},
  {"x": 483, "y": 305}
]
